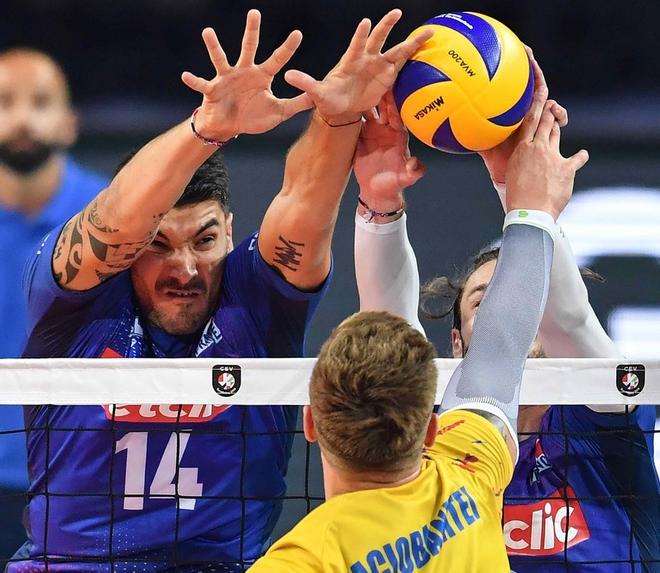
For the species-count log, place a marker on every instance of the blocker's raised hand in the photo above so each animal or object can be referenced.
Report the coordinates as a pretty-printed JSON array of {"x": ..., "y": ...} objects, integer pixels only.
[
  {"x": 239, "y": 98},
  {"x": 363, "y": 74},
  {"x": 382, "y": 164}
]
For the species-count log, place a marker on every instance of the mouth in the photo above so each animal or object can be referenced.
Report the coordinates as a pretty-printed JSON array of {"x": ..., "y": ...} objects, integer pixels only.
[{"x": 182, "y": 295}]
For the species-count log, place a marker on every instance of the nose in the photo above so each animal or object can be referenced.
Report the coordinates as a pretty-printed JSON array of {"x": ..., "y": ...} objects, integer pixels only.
[{"x": 184, "y": 265}]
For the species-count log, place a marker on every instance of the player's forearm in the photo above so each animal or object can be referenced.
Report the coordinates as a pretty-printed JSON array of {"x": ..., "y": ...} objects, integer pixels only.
[
  {"x": 507, "y": 322},
  {"x": 150, "y": 184},
  {"x": 570, "y": 328},
  {"x": 296, "y": 233},
  {"x": 386, "y": 269}
]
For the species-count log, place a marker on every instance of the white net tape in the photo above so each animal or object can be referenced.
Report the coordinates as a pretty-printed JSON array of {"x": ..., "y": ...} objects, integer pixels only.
[{"x": 285, "y": 381}]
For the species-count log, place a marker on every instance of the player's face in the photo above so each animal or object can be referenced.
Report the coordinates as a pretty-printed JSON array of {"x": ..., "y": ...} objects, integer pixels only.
[
  {"x": 35, "y": 116},
  {"x": 473, "y": 292},
  {"x": 177, "y": 279}
]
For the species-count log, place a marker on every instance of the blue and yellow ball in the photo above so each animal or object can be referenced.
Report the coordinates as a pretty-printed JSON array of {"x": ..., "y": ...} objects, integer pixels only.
[{"x": 468, "y": 87}]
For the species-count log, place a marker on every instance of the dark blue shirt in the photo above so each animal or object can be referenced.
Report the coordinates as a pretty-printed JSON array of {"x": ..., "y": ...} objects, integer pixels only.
[
  {"x": 19, "y": 234},
  {"x": 232, "y": 460},
  {"x": 585, "y": 492}
]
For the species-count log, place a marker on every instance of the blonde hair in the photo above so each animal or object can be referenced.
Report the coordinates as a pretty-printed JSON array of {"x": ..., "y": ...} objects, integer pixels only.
[{"x": 372, "y": 392}]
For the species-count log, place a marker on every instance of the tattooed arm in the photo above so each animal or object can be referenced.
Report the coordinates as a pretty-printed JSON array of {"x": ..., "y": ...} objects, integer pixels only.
[
  {"x": 111, "y": 232},
  {"x": 113, "y": 229},
  {"x": 296, "y": 233}
]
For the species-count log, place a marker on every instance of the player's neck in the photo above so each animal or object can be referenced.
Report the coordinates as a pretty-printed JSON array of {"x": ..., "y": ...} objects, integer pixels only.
[
  {"x": 337, "y": 480},
  {"x": 529, "y": 420},
  {"x": 27, "y": 194}
]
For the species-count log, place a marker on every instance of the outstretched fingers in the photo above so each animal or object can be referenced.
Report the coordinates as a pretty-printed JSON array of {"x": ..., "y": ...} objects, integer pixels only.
[
  {"x": 304, "y": 82},
  {"x": 216, "y": 53},
  {"x": 250, "y": 38},
  {"x": 292, "y": 106},
  {"x": 382, "y": 30},
  {"x": 399, "y": 54},
  {"x": 196, "y": 83},
  {"x": 359, "y": 39},
  {"x": 281, "y": 56}
]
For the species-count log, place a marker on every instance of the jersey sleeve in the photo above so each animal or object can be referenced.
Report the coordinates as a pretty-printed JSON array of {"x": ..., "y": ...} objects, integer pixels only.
[
  {"x": 473, "y": 443},
  {"x": 288, "y": 555},
  {"x": 55, "y": 315},
  {"x": 280, "y": 312}
]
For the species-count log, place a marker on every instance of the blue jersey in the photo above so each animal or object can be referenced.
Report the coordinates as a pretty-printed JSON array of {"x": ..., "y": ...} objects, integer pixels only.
[
  {"x": 585, "y": 491},
  {"x": 232, "y": 461},
  {"x": 19, "y": 235}
]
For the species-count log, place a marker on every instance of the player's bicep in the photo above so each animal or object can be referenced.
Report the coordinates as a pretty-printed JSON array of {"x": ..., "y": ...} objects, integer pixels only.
[
  {"x": 295, "y": 244},
  {"x": 88, "y": 251}
]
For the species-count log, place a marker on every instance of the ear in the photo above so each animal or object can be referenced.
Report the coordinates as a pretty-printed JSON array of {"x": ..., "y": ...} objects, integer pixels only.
[
  {"x": 431, "y": 431},
  {"x": 229, "y": 230},
  {"x": 308, "y": 425},
  {"x": 69, "y": 133},
  {"x": 456, "y": 343}
]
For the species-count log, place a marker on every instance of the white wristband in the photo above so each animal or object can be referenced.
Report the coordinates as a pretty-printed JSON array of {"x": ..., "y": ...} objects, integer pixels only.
[{"x": 531, "y": 217}]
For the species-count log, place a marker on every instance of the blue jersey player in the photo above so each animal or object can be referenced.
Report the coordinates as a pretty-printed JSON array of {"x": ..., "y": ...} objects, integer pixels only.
[
  {"x": 584, "y": 496},
  {"x": 148, "y": 269}
]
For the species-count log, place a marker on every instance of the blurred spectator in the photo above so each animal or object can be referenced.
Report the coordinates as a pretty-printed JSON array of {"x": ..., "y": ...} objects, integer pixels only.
[{"x": 40, "y": 186}]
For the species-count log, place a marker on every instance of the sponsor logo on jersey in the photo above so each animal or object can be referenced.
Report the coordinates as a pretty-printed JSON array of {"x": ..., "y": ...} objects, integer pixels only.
[
  {"x": 163, "y": 413},
  {"x": 110, "y": 353},
  {"x": 630, "y": 379},
  {"x": 226, "y": 379},
  {"x": 541, "y": 465},
  {"x": 547, "y": 527}
]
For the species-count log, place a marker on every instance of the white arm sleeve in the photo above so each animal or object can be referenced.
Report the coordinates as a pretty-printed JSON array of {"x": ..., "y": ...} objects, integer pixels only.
[
  {"x": 386, "y": 269},
  {"x": 569, "y": 327}
]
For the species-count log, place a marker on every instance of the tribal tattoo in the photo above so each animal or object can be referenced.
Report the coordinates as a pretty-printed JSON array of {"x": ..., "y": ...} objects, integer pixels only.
[
  {"x": 288, "y": 253},
  {"x": 87, "y": 236}
]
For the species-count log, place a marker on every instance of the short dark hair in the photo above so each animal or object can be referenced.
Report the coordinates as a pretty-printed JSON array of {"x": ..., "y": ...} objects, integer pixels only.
[
  {"x": 441, "y": 296},
  {"x": 209, "y": 183}
]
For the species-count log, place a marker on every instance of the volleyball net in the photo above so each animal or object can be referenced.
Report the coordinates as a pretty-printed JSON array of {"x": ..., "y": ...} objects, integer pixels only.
[{"x": 198, "y": 465}]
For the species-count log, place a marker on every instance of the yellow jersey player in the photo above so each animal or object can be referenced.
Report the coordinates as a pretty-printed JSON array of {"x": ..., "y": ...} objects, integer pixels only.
[{"x": 407, "y": 490}]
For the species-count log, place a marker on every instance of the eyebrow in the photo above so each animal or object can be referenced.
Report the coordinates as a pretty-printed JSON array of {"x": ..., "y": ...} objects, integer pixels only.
[
  {"x": 479, "y": 288},
  {"x": 210, "y": 223}
]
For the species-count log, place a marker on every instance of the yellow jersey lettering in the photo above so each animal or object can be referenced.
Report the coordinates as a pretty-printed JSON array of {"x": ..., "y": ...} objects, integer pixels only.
[{"x": 415, "y": 550}]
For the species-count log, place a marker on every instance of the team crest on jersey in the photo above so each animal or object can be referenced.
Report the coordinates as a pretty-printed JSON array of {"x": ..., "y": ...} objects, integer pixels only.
[
  {"x": 541, "y": 465},
  {"x": 226, "y": 379},
  {"x": 547, "y": 527}
]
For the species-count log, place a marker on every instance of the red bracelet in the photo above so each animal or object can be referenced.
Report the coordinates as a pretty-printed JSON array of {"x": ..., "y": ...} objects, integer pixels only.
[{"x": 215, "y": 142}]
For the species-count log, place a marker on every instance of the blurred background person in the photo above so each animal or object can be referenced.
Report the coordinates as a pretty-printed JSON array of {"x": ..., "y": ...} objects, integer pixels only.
[{"x": 40, "y": 186}]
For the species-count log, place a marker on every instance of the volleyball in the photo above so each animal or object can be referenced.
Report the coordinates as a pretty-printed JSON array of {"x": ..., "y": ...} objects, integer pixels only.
[{"x": 468, "y": 87}]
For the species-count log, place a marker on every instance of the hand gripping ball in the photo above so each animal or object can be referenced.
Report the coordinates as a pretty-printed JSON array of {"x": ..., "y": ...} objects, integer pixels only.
[{"x": 468, "y": 87}]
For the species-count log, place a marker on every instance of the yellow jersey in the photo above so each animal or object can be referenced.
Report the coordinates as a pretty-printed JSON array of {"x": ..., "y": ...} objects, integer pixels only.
[{"x": 447, "y": 519}]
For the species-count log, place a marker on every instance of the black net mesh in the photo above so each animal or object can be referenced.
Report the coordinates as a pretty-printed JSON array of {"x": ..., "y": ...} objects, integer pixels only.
[{"x": 584, "y": 498}]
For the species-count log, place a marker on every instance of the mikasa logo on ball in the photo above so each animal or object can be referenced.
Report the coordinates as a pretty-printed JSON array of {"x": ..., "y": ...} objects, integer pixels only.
[{"x": 435, "y": 104}]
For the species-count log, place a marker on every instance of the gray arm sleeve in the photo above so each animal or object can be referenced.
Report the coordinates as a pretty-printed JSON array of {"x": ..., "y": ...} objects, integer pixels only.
[{"x": 505, "y": 327}]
